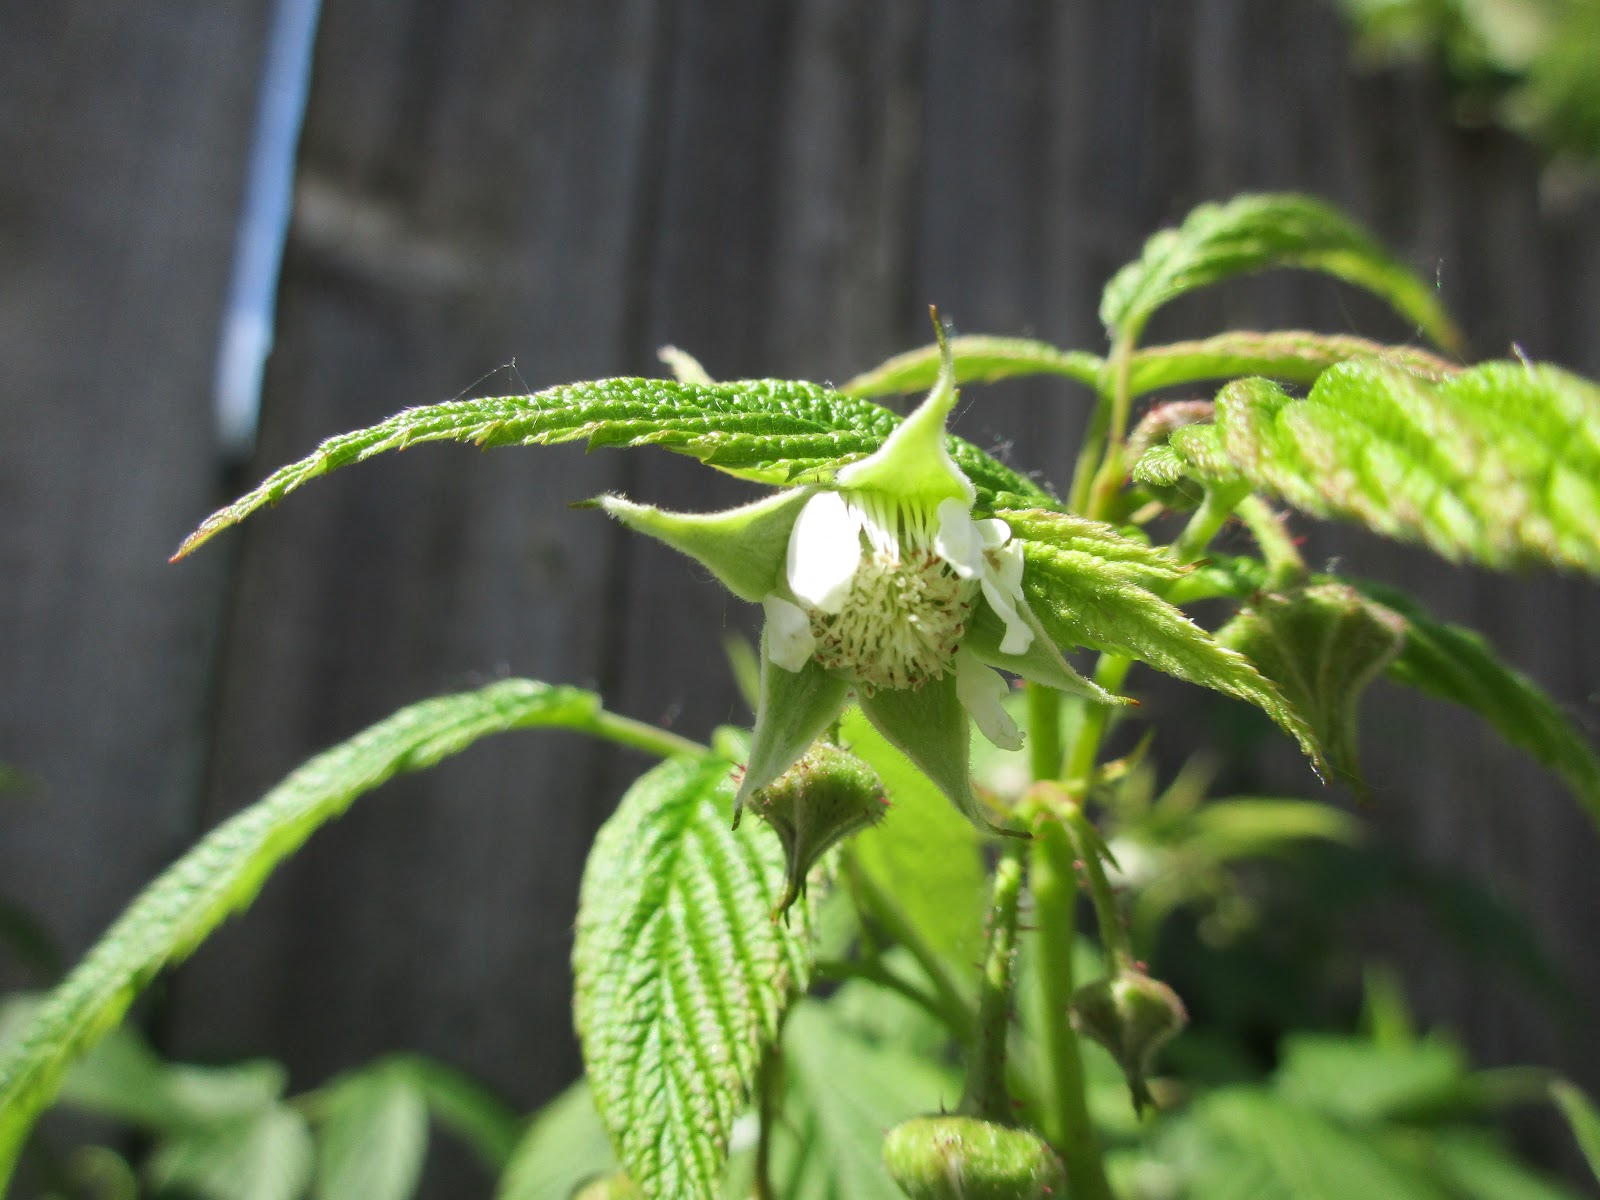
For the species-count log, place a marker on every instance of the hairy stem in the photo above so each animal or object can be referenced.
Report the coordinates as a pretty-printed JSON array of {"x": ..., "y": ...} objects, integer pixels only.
[
  {"x": 1108, "y": 478},
  {"x": 986, "y": 1095},
  {"x": 1207, "y": 521},
  {"x": 1285, "y": 566},
  {"x": 1044, "y": 731}
]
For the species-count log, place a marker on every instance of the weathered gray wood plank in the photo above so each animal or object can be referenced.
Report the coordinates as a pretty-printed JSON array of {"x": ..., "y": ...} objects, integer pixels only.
[{"x": 125, "y": 130}]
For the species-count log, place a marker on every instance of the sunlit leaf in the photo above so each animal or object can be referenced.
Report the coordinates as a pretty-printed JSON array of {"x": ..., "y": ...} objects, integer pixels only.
[
  {"x": 978, "y": 359},
  {"x": 1584, "y": 1117},
  {"x": 682, "y": 975},
  {"x": 265, "y": 1158},
  {"x": 373, "y": 1128},
  {"x": 1499, "y": 464},
  {"x": 770, "y": 431},
  {"x": 1255, "y": 233},
  {"x": 222, "y": 875},
  {"x": 1322, "y": 645}
]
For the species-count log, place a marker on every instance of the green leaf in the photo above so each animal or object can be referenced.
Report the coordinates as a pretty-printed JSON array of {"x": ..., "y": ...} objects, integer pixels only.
[
  {"x": 265, "y": 1158},
  {"x": 1092, "y": 592},
  {"x": 1584, "y": 1119},
  {"x": 1244, "y": 1144},
  {"x": 1255, "y": 233},
  {"x": 770, "y": 431},
  {"x": 924, "y": 853},
  {"x": 1292, "y": 355},
  {"x": 1458, "y": 665},
  {"x": 1499, "y": 464},
  {"x": 682, "y": 976},
  {"x": 1355, "y": 1081},
  {"x": 123, "y": 1077},
  {"x": 222, "y": 874},
  {"x": 1252, "y": 826},
  {"x": 844, "y": 1094},
  {"x": 374, "y": 1134},
  {"x": 978, "y": 359},
  {"x": 1476, "y": 1167},
  {"x": 464, "y": 1107},
  {"x": 1322, "y": 645},
  {"x": 565, "y": 1145}
]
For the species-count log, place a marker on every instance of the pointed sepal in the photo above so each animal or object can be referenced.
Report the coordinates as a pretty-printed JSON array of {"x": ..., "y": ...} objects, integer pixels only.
[
  {"x": 745, "y": 547},
  {"x": 930, "y": 728},
  {"x": 795, "y": 709}
]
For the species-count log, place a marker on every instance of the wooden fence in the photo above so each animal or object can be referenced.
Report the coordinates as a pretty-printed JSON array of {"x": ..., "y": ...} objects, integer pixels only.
[{"x": 779, "y": 188}]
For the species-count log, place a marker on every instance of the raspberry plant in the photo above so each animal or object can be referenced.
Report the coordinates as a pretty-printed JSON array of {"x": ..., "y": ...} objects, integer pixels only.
[{"x": 905, "y": 575}]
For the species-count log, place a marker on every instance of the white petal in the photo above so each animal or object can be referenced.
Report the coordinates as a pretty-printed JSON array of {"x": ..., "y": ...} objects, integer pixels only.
[
  {"x": 1002, "y": 588},
  {"x": 994, "y": 532},
  {"x": 959, "y": 540},
  {"x": 981, "y": 690},
  {"x": 824, "y": 551},
  {"x": 789, "y": 640}
]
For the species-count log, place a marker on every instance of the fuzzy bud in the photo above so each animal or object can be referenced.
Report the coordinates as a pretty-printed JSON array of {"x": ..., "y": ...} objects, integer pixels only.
[
  {"x": 824, "y": 798},
  {"x": 1132, "y": 1016},
  {"x": 964, "y": 1158}
]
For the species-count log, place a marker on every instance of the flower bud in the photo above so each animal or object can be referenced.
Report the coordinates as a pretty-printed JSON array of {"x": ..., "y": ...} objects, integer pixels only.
[
  {"x": 964, "y": 1158},
  {"x": 1132, "y": 1016},
  {"x": 817, "y": 803}
]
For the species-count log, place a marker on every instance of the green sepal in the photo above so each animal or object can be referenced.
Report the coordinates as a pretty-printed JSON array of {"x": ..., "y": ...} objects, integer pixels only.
[
  {"x": 744, "y": 547},
  {"x": 1040, "y": 663},
  {"x": 1322, "y": 645},
  {"x": 929, "y": 726},
  {"x": 796, "y": 708},
  {"x": 913, "y": 461}
]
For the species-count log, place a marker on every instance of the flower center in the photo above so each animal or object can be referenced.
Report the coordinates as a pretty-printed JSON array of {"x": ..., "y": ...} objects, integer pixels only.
[{"x": 907, "y": 608}]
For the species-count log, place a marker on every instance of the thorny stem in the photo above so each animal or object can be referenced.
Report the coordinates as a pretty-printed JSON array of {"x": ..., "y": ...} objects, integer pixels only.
[
  {"x": 986, "y": 1076},
  {"x": 1285, "y": 566},
  {"x": 954, "y": 1006}
]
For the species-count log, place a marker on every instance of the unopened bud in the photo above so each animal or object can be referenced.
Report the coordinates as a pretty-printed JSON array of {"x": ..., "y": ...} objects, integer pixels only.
[
  {"x": 817, "y": 803},
  {"x": 1132, "y": 1016},
  {"x": 964, "y": 1158}
]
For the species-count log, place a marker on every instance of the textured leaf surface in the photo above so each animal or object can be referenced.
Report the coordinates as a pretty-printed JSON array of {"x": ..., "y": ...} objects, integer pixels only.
[
  {"x": 1292, "y": 355},
  {"x": 1458, "y": 665},
  {"x": 565, "y": 1145},
  {"x": 1321, "y": 645},
  {"x": 1090, "y": 586},
  {"x": 222, "y": 874},
  {"x": 1254, "y": 233},
  {"x": 770, "y": 431},
  {"x": 978, "y": 359},
  {"x": 373, "y": 1136},
  {"x": 682, "y": 975},
  {"x": 1499, "y": 464}
]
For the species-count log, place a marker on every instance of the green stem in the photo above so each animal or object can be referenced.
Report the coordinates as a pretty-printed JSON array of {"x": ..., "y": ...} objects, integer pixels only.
[
  {"x": 1285, "y": 566},
  {"x": 1108, "y": 479},
  {"x": 643, "y": 736},
  {"x": 1066, "y": 1106},
  {"x": 1087, "y": 842},
  {"x": 767, "y": 1115},
  {"x": 886, "y": 911},
  {"x": 1109, "y": 673},
  {"x": 986, "y": 1095},
  {"x": 1044, "y": 731},
  {"x": 1207, "y": 521}
]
